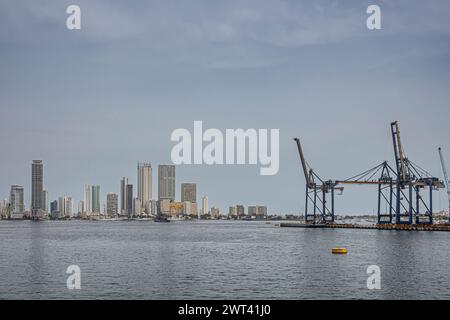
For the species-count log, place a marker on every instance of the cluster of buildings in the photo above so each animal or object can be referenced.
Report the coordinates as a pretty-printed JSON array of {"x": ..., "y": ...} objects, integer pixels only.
[
  {"x": 131, "y": 202},
  {"x": 238, "y": 212}
]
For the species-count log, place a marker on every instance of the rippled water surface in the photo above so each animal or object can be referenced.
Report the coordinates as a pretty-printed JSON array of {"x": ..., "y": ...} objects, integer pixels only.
[{"x": 217, "y": 260}]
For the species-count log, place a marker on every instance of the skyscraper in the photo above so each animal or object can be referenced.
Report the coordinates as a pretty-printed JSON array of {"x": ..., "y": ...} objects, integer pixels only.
[
  {"x": 144, "y": 187},
  {"x": 87, "y": 199},
  {"x": 80, "y": 207},
  {"x": 166, "y": 182},
  {"x": 16, "y": 199},
  {"x": 96, "y": 199},
  {"x": 112, "y": 204},
  {"x": 53, "y": 208},
  {"x": 37, "y": 180},
  {"x": 129, "y": 196},
  {"x": 188, "y": 192},
  {"x": 45, "y": 200},
  {"x": 123, "y": 195},
  {"x": 205, "y": 205},
  {"x": 65, "y": 207}
]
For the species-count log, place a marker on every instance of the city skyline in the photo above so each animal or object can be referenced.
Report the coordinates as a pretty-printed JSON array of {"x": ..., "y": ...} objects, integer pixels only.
[
  {"x": 92, "y": 203},
  {"x": 268, "y": 66}
]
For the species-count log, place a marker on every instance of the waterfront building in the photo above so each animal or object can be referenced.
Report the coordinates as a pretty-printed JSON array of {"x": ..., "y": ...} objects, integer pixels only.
[
  {"x": 96, "y": 199},
  {"x": 215, "y": 212},
  {"x": 240, "y": 210},
  {"x": 129, "y": 199},
  {"x": 166, "y": 182},
  {"x": 144, "y": 185},
  {"x": 80, "y": 207},
  {"x": 137, "y": 207},
  {"x": 53, "y": 207},
  {"x": 123, "y": 195},
  {"x": 261, "y": 211},
  {"x": 112, "y": 204},
  {"x": 188, "y": 192},
  {"x": 153, "y": 207},
  {"x": 65, "y": 207},
  {"x": 16, "y": 199},
  {"x": 205, "y": 205},
  {"x": 164, "y": 206},
  {"x": 87, "y": 199},
  {"x": 37, "y": 181},
  {"x": 175, "y": 208},
  {"x": 45, "y": 200}
]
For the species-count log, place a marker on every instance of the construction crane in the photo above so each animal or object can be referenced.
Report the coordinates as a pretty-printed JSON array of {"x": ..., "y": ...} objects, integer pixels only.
[{"x": 446, "y": 181}]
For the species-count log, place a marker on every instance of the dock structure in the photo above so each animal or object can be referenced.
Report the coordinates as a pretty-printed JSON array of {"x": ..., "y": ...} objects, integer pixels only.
[
  {"x": 382, "y": 226},
  {"x": 399, "y": 192}
]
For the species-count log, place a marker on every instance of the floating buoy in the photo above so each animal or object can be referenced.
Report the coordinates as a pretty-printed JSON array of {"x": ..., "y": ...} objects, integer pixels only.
[{"x": 339, "y": 250}]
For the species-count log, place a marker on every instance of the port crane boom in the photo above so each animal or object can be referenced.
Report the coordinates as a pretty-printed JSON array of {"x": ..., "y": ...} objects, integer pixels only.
[{"x": 447, "y": 183}]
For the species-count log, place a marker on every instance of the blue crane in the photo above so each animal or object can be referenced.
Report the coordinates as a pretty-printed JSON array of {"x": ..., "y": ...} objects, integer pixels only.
[{"x": 447, "y": 183}]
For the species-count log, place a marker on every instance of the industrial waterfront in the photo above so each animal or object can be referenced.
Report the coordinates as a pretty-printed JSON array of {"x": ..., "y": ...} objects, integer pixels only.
[{"x": 217, "y": 260}]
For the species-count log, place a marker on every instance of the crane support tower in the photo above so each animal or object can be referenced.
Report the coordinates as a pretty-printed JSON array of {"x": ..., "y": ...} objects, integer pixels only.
[
  {"x": 318, "y": 193},
  {"x": 446, "y": 181}
]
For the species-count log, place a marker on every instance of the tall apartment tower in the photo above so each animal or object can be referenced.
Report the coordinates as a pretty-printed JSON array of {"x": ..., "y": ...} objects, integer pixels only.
[
  {"x": 37, "y": 181},
  {"x": 123, "y": 195},
  {"x": 188, "y": 192},
  {"x": 96, "y": 199},
  {"x": 166, "y": 182},
  {"x": 205, "y": 205},
  {"x": 112, "y": 204},
  {"x": 16, "y": 199},
  {"x": 87, "y": 199},
  {"x": 144, "y": 187},
  {"x": 129, "y": 209},
  {"x": 45, "y": 200}
]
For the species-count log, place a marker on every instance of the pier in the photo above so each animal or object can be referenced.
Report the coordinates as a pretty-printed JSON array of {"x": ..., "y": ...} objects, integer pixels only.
[{"x": 385, "y": 226}]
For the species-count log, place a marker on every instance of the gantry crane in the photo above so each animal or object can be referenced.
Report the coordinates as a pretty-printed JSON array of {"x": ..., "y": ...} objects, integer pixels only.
[
  {"x": 446, "y": 181},
  {"x": 316, "y": 193},
  {"x": 396, "y": 188}
]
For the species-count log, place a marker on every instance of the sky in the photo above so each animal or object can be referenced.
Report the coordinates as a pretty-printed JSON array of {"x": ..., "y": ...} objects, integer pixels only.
[{"x": 91, "y": 103}]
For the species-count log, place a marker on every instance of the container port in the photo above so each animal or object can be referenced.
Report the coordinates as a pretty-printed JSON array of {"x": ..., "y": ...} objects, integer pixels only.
[{"x": 405, "y": 193}]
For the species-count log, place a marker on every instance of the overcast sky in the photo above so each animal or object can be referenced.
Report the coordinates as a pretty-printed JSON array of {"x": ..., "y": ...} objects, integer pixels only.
[{"x": 93, "y": 102}]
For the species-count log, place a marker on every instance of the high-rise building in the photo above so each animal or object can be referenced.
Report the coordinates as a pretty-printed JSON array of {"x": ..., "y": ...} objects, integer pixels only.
[
  {"x": 188, "y": 192},
  {"x": 123, "y": 195},
  {"x": 252, "y": 210},
  {"x": 261, "y": 211},
  {"x": 87, "y": 199},
  {"x": 240, "y": 210},
  {"x": 137, "y": 206},
  {"x": 68, "y": 210},
  {"x": 205, "y": 205},
  {"x": 45, "y": 200},
  {"x": 215, "y": 212},
  {"x": 144, "y": 186},
  {"x": 112, "y": 204},
  {"x": 65, "y": 207},
  {"x": 37, "y": 181},
  {"x": 80, "y": 207},
  {"x": 54, "y": 209},
  {"x": 96, "y": 199},
  {"x": 16, "y": 200},
  {"x": 129, "y": 199},
  {"x": 153, "y": 207},
  {"x": 166, "y": 182}
]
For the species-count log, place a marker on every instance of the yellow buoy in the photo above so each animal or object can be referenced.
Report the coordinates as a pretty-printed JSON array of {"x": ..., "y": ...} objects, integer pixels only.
[{"x": 339, "y": 250}]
